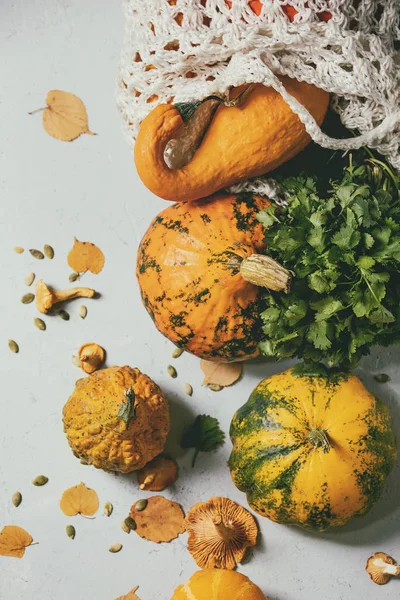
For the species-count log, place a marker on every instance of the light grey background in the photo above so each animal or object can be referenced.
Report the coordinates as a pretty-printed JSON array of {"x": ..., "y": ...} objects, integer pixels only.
[{"x": 51, "y": 191}]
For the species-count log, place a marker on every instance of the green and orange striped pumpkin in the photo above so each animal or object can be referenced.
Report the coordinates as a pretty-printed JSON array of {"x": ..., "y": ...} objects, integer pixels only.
[
  {"x": 197, "y": 266},
  {"x": 312, "y": 451}
]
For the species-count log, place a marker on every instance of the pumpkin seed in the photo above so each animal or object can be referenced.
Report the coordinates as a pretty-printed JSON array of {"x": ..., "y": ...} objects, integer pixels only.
[
  {"x": 39, "y": 323},
  {"x": 73, "y": 277},
  {"x": 16, "y": 498},
  {"x": 36, "y": 254},
  {"x": 48, "y": 251},
  {"x": 115, "y": 548},
  {"x": 13, "y": 346},
  {"x": 141, "y": 505},
  {"x": 177, "y": 353},
  {"x": 64, "y": 315},
  {"x": 125, "y": 527},
  {"x": 215, "y": 387},
  {"x": 82, "y": 311},
  {"x": 172, "y": 372},
  {"x": 40, "y": 480},
  {"x": 27, "y": 298},
  {"x": 128, "y": 525},
  {"x": 108, "y": 508},
  {"x": 382, "y": 378},
  {"x": 18, "y": 249},
  {"x": 76, "y": 361},
  {"x": 188, "y": 389},
  {"x": 29, "y": 279},
  {"x": 70, "y": 530}
]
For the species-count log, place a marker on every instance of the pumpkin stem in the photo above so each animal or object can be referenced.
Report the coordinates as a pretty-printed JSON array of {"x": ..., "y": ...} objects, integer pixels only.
[
  {"x": 319, "y": 437},
  {"x": 265, "y": 272}
]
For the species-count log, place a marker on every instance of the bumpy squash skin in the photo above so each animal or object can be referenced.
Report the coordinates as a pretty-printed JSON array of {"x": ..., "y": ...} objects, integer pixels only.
[
  {"x": 241, "y": 142},
  {"x": 95, "y": 433},
  {"x": 288, "y": 480},
  {"x": 217, "y": 584},
  {"x": 188, "y": 272}
]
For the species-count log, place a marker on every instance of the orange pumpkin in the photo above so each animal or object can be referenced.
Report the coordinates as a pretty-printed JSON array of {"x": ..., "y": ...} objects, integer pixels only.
[
  {"x": 198, "y": 268},
  {"x": 243, "y": 141},
  {"x": 217, "y": 584}
]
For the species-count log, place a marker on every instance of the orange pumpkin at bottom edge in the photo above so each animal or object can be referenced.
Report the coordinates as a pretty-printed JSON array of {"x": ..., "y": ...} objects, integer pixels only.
[{"x": 217, "y": 584}]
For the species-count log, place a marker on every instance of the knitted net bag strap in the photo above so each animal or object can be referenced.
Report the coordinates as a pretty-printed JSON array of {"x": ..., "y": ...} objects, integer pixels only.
[{"x": 186, "y": 50}]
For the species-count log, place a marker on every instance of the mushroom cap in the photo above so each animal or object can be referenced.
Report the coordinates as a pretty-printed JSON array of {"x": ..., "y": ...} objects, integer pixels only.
[
  {"x": 220, "y": 531},
  {"x": 376, "y": 566},
  {"x": 44, "y": 297},
  {"x": 92, "y": 357}
]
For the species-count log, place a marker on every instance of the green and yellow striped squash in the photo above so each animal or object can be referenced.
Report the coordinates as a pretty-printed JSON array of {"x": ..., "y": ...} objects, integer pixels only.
[{"x": 312, "y": 451}]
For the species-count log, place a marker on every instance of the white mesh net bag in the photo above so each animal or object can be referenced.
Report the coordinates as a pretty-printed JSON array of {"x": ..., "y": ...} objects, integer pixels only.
[{"x": 186, "y": 50}]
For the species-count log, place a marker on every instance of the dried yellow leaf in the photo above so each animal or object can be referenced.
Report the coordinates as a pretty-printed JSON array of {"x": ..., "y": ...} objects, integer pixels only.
[
  {"x": 85, "y": 256},
  {"x": 221, "y": 373},
  {"x": 130, "y": 595},
  {"x": 13, "y": 541},
  {"x": 79, "y": 500},
  {"x": 65, "y": 117}
]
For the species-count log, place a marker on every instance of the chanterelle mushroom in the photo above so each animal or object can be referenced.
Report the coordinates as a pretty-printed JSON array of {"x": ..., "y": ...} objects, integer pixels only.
[
  {"x": 381, "y": 567},
  {"x": 46, "y": 296},
  {"x": 91, "y": 356},
  {"x": 219, "y": 531},
  {"x": 157, "y": 474}
]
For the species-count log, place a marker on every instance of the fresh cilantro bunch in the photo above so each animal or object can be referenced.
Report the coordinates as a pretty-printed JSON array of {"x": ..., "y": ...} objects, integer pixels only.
[{"x": 344, "y": 251}]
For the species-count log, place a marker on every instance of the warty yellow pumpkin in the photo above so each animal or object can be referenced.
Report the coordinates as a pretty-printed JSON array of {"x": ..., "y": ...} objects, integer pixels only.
[
  {"x": 197, "y": 266},
  {"x": 243, "y": 141},
  {"x": 312, "y": 451},
  {"x": 217, "y": 584},
  {"x": 117, "y": 419}
]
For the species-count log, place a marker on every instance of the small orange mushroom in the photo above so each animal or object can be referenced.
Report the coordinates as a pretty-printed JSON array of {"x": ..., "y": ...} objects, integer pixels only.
[
  {"x": 91, "y": 356},
  {"x": 381, "y": 567},
  {"x": 220, "y": 531},
  {"x": 46, "y": 296},
  {"x": 158, "y": 474}
]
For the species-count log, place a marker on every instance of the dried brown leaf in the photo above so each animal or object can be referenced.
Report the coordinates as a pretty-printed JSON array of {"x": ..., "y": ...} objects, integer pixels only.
[
  {"x": 85, "y": 256},
  {"x": 79, "y": 500},
  {"x": 65, "y": 117},
  {"x": 161, "y": 521},
  {"x": 13, "y": 541},
  {"x": 221, "y": 373},
  {"x": 130, "y": 595}
]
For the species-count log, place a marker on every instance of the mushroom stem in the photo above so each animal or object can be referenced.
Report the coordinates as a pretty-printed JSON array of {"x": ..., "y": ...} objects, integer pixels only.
[
  {"x": 224, "y": 532},
  {"x": 80, "y": 292},
  {"x": 263, "y": 271},
  {"x": 319, "y": 437},
  {"x": 148, "y": 481}
]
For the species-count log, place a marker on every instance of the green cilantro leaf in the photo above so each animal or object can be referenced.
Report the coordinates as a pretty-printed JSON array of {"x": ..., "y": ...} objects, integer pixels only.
[
  {"x": 204, "y": 435},
  {"x": 342, "y": 244}
]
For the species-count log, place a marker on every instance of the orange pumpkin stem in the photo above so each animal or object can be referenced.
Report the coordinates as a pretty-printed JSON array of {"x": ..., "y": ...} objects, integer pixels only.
[
  {"x": 319, "y": 437},
  {"x": 263, "y": 271}
]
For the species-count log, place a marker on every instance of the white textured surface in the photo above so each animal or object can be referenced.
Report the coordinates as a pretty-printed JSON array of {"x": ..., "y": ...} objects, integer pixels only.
[{"x": 49, "y": 192}]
